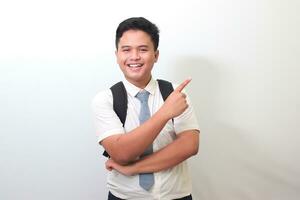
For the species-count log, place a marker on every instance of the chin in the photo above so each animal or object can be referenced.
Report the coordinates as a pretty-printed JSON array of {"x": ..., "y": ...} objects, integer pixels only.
[{"x": 135, "y": 79}]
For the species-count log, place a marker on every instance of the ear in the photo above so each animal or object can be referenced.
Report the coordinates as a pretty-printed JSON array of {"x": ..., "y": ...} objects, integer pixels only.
[
  {"x": 116, "y": 54},
  {"x": 156, "y": 55}
]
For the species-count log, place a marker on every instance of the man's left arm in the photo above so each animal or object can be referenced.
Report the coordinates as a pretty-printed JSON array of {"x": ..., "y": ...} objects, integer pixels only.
[{"x": 183, "y": 147}]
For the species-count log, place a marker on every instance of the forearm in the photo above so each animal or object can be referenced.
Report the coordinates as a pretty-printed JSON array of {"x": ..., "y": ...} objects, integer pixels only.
[
  {"x": 127, "y": 147},
  {"x": 181, "y": 149}
]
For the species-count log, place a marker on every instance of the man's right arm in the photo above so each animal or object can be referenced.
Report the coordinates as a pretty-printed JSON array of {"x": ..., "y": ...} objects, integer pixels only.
[{"x": 125, "y": 148}]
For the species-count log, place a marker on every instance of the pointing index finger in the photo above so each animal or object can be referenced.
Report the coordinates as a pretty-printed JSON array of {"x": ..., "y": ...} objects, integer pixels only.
[{"x": 183, "y": 85}]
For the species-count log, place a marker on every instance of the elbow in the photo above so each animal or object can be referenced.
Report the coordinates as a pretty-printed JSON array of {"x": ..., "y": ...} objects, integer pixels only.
[
  {"x": 195, "y": 144},
  {"x": 117, "y": 151},
  {"x": 122, "y": 158},
  {"x": 190, "y": 150},
  {"x": 194, "y": 150},
  {"x": 194, "y": 147},
  {"x": 190, "y": 143},
  {"x": 119, "y": 159}
]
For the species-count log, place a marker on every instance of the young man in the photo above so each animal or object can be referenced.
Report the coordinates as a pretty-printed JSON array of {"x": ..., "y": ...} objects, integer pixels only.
[{"x": 148, "y": 155}]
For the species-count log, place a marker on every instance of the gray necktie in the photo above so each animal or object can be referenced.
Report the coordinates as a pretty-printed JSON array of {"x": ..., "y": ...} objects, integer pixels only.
[{"x": 146, "y": 179}]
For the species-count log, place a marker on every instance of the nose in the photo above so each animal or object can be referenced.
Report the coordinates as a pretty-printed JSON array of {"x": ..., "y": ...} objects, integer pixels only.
[{"x": 135, "y": 55}]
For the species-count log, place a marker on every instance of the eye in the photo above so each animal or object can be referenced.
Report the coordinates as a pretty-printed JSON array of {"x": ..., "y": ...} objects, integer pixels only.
[
  {"x": 143, "y": 50},
  {"x": 125, "y": 50}
]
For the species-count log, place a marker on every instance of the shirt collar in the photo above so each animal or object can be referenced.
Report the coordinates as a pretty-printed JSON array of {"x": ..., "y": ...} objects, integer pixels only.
[{"x": 133, "y": 90}]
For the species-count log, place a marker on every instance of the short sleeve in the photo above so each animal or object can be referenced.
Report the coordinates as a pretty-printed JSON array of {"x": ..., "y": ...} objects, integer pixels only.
[
  {"x": 106, "y": 121},
  {"x": 187, "y": 120}
]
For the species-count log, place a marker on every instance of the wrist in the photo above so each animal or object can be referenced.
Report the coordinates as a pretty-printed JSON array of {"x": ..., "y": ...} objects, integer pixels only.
[
  {"x": 135, "y": 169},
  {"x": 164, "y": 114}
]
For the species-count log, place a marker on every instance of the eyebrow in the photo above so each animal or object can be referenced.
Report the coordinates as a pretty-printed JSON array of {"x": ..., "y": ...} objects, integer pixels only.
[
  {"x": 141, "y": 46},
  {"x": 144, "y": 46}
]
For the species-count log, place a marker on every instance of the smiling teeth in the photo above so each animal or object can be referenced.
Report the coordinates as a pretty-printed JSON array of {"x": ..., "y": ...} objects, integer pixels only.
[{"x": 134, "y": 65}]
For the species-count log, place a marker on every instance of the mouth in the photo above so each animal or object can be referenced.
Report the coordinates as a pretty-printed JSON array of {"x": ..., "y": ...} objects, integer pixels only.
[{"x": 135, "y": 65}]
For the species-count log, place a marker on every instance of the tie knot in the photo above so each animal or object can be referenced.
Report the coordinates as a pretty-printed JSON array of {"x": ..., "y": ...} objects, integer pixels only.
[{"x": 143, "y": 96}]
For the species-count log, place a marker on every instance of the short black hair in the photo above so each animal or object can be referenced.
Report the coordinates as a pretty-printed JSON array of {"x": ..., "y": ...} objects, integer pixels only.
[{"x": 138, "y": 23}]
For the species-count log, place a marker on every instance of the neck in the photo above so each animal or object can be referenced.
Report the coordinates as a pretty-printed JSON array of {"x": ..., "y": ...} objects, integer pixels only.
[{"x": 140, "y": 84}]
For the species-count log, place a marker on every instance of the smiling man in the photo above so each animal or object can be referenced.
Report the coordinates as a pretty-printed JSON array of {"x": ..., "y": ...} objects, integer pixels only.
[
  {"x": 136, "y": 55},
  {"x": 148, "y": 151}
]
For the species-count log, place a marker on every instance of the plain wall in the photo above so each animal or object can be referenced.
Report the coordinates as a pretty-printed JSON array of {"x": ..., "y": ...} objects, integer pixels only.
[{"x": 243, "y": 57}]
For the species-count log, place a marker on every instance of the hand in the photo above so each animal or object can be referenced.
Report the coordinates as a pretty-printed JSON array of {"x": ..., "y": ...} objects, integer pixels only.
[
  {"x": 176, "y": 103},
  {"x": 127, "y": 170}
]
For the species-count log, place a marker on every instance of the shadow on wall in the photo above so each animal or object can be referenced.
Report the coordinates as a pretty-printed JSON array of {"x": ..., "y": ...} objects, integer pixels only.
[
  {"x": 204, "y": 86},
  {"x": 230, "y": 163}
]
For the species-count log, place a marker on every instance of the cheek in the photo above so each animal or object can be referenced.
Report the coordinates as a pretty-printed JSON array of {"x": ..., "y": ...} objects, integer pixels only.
[
  {"x": 121, "y": 59},
  {"x": 152, "y": 60},
  {"x": 149, "y": 58}
]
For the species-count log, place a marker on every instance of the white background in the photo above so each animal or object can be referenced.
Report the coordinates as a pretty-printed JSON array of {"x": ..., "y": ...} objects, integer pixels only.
[{"x": 243, "y": 56}]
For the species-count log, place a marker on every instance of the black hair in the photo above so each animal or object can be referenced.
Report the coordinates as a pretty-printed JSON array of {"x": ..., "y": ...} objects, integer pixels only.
[{"x": 138, "y": 23}]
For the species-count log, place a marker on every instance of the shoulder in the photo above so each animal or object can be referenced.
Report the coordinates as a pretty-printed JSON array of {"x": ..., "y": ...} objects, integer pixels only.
[{"x": 102, "y": 98}]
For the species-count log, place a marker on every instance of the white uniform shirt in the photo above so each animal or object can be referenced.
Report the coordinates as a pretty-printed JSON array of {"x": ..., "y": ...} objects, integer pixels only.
[{"x": 169, "y": 184}]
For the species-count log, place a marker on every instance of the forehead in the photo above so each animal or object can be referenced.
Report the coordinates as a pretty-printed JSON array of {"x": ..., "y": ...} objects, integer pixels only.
[{"x": 135, "y": 38}]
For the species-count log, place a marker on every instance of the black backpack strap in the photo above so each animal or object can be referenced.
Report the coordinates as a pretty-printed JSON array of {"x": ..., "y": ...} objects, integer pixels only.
[
  {"x": 165, "y": 87},
  {"x": 120, "y": 100},
  {"x": 119, "y": 103}
]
